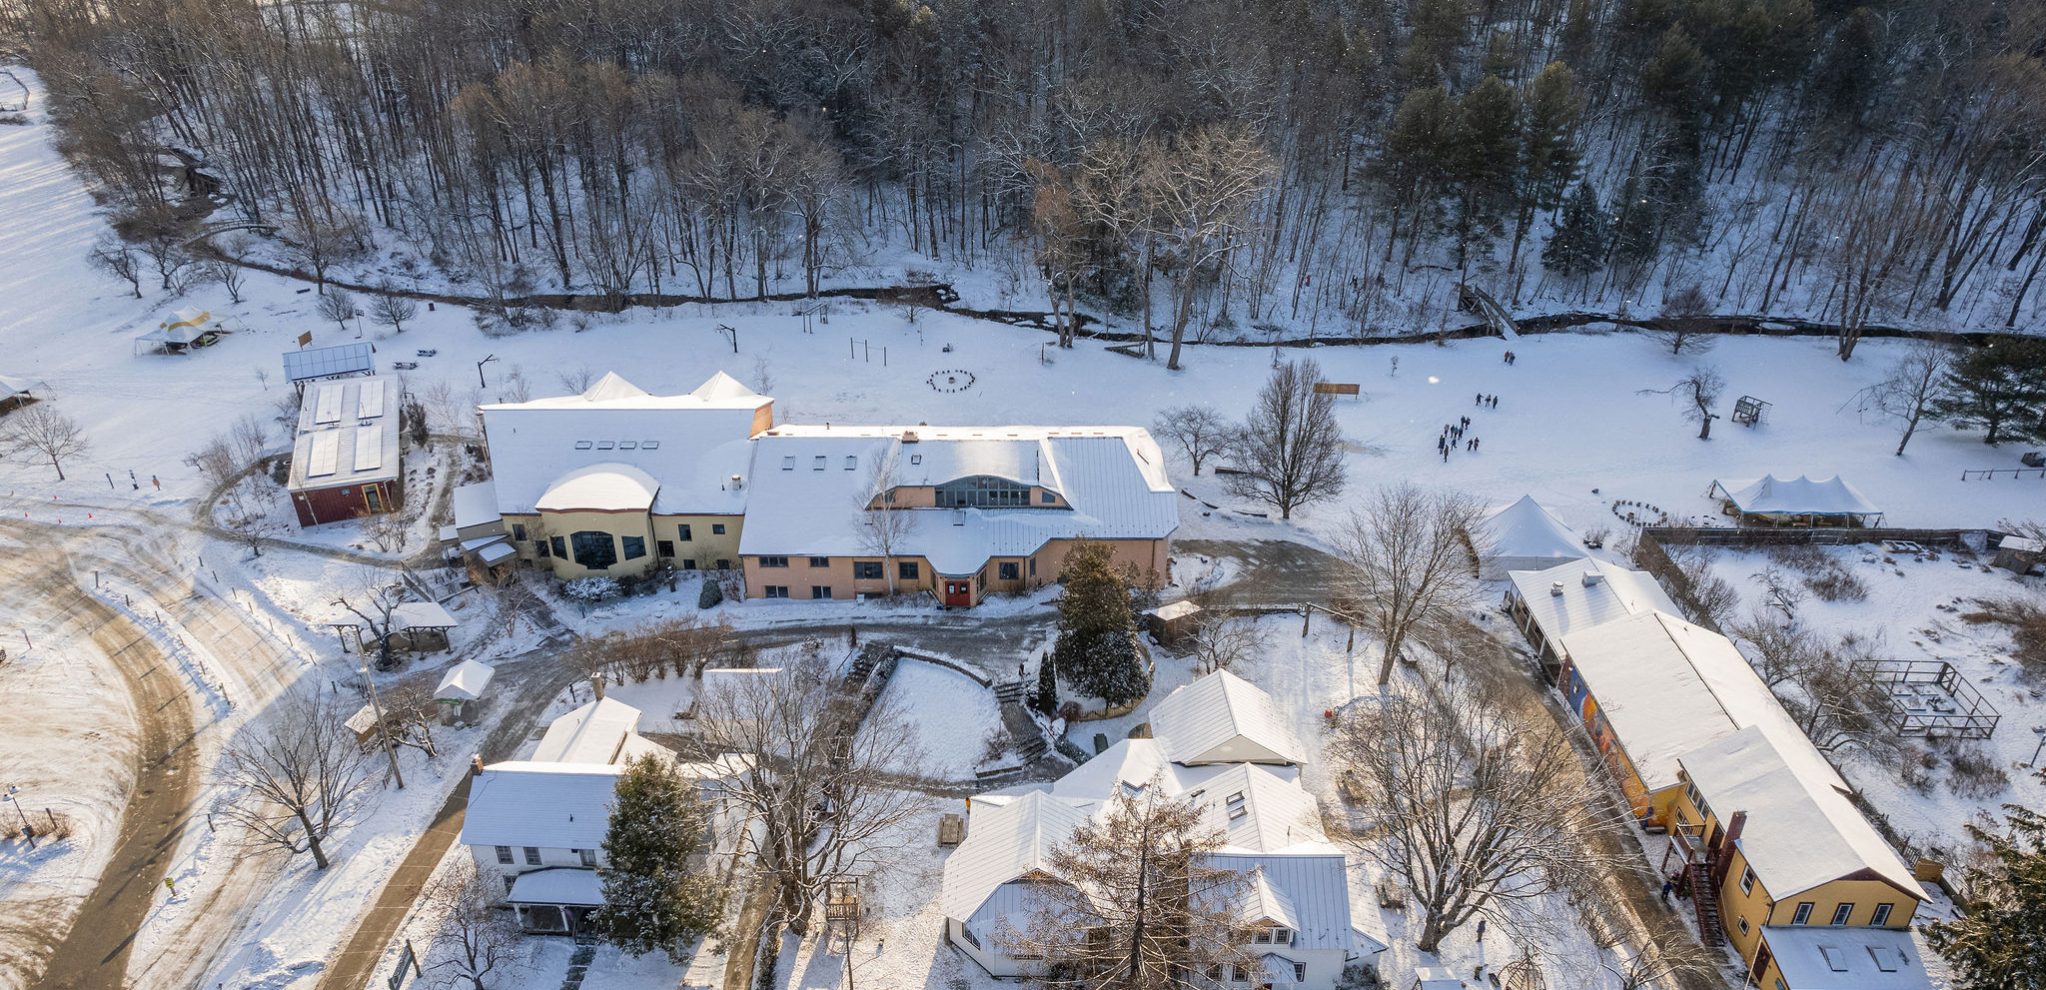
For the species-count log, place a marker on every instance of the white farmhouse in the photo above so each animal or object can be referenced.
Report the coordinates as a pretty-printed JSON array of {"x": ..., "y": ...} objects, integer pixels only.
[{"x": 1220, "y": 742}]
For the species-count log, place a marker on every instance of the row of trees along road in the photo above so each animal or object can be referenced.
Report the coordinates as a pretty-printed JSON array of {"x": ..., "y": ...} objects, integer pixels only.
[{"x": 1313, "y": 163}]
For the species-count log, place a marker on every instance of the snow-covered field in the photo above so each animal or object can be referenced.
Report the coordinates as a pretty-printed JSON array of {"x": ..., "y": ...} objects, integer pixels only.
[
  {"x": 949, "y": 714},
  {"x": 1572, "y": 427}
]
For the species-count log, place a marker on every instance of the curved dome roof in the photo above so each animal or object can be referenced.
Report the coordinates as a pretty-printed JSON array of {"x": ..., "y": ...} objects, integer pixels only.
[{"x": 607, "y": 487}]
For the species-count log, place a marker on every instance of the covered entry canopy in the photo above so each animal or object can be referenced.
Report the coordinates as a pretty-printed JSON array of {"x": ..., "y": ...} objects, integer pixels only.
[{"x": 1773, "y": 499}]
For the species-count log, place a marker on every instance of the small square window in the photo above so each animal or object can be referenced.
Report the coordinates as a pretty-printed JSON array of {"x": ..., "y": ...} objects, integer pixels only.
[
  {"x": 1743, "y": 922},
  {"x": 688, "y": 563},
  {"x": 532, "y": 856},
  {"x": 820, "y": 591},
  {"x": 1747, "y": 880},
  {"x": 1843, "y": 913},
  {"x": 1803, "y": 914},
  {"x": 682, "y": 532},
  {"x": 774, "y": 561},
  {"x": 906, "y": 570},
  {"x": 724, "y": 565},
  {"x": 519, "y": 532},
  {"x": 504, "y": 855},
  {"x": 777, "y": 591},
  {"x": 1011, "y": 571},
  {"x": 717, "y": 529},
  {"x": 635, "y": 546},
  {"x": 588, "y": 857},
  {"x": 665, "y": 548},
  {"x": 1881, "y": 917},
  {"x": 916, "y": 458}
]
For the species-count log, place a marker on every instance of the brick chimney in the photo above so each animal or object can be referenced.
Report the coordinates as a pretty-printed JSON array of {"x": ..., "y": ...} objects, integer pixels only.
[
  {"x": 1722, "y": 854},
  {"x": 476, "y": 765}
]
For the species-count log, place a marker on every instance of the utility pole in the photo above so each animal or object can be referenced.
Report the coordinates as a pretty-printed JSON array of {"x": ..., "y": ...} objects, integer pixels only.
[
  {"x": 480, "y": 383},
  {"x": 383, "y": 730}
]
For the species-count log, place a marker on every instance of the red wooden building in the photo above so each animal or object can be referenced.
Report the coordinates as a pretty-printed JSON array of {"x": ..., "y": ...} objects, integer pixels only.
[{"x": 345, "y": 461}]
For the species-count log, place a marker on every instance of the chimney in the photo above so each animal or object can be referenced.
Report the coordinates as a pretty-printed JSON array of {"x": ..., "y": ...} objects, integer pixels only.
[
  {"x": 909, "y": 436},
  {"x": 597, "y": 685},
  {"x": 1592, "y": 579},
  {"x": 738, "y": 483},
  {"x": 1556, "y": 589},
  {"x": 1719, "y": 853},
  {"x": 476, "y": 765}
]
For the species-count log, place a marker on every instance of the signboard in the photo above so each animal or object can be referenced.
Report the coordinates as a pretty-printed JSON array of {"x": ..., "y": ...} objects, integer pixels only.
[
  {"x": 305, "y": 338},
  {"x": 406, "y": 960}
]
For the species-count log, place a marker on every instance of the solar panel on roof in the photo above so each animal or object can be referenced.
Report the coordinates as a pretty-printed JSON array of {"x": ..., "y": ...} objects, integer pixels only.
[
  {"x": 324, "y": 452},
  {"x": 326, "y": 362},
  {"x": 369, "y": 404},
  {"x": 369, "y": 447},
  {"x": 328, "y": 408}
]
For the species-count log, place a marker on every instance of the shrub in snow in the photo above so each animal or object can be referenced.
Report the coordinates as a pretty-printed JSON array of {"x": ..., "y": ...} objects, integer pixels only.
[
  {"x": 710, "y": 596},
  {"x": 1097, "y": 649},
  {"x": 591, "y": 589}
]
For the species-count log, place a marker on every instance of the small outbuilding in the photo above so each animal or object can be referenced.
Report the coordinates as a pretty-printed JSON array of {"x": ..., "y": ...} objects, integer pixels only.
[
  {"x": 345, "y": 460},
  {"x": 2020, "y": 554},
  {"x": 1172, "y": 622},
  {"x": 14, "y": 393},
  {"x": 461, "y": 688},
  {"x": 420, "y": 626},
  {"x": 1799, "y": 501}
]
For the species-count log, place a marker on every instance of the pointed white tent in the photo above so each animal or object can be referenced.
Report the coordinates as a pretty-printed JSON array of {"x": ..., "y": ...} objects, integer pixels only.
[
  {"x": 1818, "y": 500},
  {"x": 1524, "y": 536},
  {"x": 723, "y": 386}
]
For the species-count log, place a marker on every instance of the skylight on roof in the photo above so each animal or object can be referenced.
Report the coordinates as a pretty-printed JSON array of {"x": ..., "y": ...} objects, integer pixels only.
[
  {"x": 852, "y": 463},
  {"x": 819, "y": 464},
  {"x": 628, "y": 444},
  {"x": 649, "y": 445},
  {"x": 788, "y": 463},
  {"x": 606, "y": 444},
  {"x": 583, "y": 445}
]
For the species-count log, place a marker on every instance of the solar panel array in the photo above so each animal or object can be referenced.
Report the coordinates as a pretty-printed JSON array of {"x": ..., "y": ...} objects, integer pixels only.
[
  {"x": 326, "y": 450},
  {"x": 326, "y": 362},
  {"x": 369, "y": 447}
]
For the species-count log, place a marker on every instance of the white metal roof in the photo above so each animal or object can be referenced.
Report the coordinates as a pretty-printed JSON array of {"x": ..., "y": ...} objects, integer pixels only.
[
  {"x": 1592, "y": 592},
  {"x": 421, "y": 615},
  {"x": 353, "y": 358},
  {"x": 1668, "y": 687},
  {"x": 1525, "y": 536},
  {"x": 465, "y": 681},
  {"x": 1814, "y": 957},
  {"x": 809, "y": 486},
  {"x": 347, "y": 435},
  {"x": 1259, "y": 811},
  {"x": 693, "y": 445},
  {"x": 1004, "y": 843},
  {"x": 550, "y": 805},
  {"x": 11, "y": 387},
  {"x": 557, "y": 885},
  {"x": 1316, "y": 887},
  {"x": 475, "y": 505},
  {"x": 1801, "y": 831},
  {"x": 1802, "y": 495},
  {"x": 1223, "y": 718},
  {"x": 594, "y": 733},
  {"x": 602, "y": 488}
]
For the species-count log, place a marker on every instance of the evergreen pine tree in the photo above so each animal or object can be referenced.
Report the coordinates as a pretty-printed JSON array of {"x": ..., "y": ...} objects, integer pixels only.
[
  {"x": 2000, "y": 389},
  {"x": 1577, "y": 246},
  {"x": 1483, "y": 157},
  {"x": 651, "y": 900},
  {"x": 1046, "y": 698},
  {"x": 1996, "y": 945},
  {"x": 1096, "y": 648}
]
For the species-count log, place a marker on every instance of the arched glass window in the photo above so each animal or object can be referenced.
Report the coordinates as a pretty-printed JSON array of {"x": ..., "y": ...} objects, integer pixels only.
[
  {"x": 982, "y": 492},
  {"x": 596, "y": 551}
]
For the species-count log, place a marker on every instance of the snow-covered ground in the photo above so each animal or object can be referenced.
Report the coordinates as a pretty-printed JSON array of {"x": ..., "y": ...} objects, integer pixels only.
[
  {"x": 1913, "y": 611},
  {"x": 1572, "y": 427},
  {"x": 949, "y": 715}
]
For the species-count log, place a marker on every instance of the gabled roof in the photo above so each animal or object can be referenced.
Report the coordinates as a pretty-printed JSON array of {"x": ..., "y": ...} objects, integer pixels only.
[
  {"x": 1800, "y": 831},
  {"x": 465, "y": 681},
  {"x": 557, "y": 885},
  {"x": 692, "y": 445},
  {"x": 348, "y": 434},
  {"x": 809, "y": 486},
  {"x": 1802, "y": 495},
  {"x": 1263, "y": 901},
  {"x": 1223, "y": 718},
  {"x": 421, "y": 615},
  {"x": 1668, "y": 687},
  {"x": 594, "y": 733},
  {"x": 475, "y": 505},
  {"x": 1523, "y": 534},
  {"x": 1006, "y": 842},
  {"x": 1260, "y": 811},
  {"x": 1315, "y": 888},
  {"x": 11, "y": 387},
  {"x": 1593, "y": 592},
  {"x": 549, "y": 805}
]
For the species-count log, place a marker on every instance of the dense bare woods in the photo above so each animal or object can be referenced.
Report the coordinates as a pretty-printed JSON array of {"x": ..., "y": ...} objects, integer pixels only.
[{"x": 1315, "y": 161}]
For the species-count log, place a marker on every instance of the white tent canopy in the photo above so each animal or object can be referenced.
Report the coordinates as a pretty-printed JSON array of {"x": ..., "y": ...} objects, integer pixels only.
[
  {"x": 465, "y": 681},
  {"x": 1524, "y": 536},
  {"x": 1799, "y": 496}
]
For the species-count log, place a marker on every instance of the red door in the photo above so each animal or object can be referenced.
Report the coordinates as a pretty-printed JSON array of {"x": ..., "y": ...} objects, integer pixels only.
[{"x": 958, "y": 594}]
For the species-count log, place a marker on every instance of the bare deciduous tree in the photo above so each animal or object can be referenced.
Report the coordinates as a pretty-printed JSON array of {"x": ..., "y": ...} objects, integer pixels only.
[
  {"x": 1136, "y": 903},
  {"x": 1409, "y": 561},
  {"x": 411, "y": 712},
  {"x": 476, "y": 937},
  {"x": 339, "y": 306},
  {"x": 44, "y": 432},
  {"x": 883, "y": 526},
  {"x": 1906, "y": 395},
  {"x": 1700, "y": 390},
  {"x": 1201, "y": 194},
  {"x": 1471, "y": 805},
  {"x": 1222, "y": 643},
  {"x": 1682, "y": 328},
  {"x": 387, "y": 308},
  {"x": 1837, "y": 704},
  {"x": 822, "y": 786},
  {"x": 577, "y": 379},
  {"x": 296, "y": 775},
  {"x": 112, "y": 255},
  {"x": 1200, "y": 431},
  {"x": 1781, "y": 652},
  {"x": 1289, "y": 452}
]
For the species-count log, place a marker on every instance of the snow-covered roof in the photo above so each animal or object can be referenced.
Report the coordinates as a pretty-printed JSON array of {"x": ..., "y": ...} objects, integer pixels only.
[
  {"x": 176, "y": 333},
  {"x": 11, "y": 387},
  {"x": 1814, "y": 957},
  {"x": 2011, "y": 541},
  {"x": 352, "y": 358},
  {"x": 720, "y": 387},
  {"x": 1801, "y": 830},
  {"x": 1524, "y": 536},
  {"x": 1314, "y": 887},
  {"x": 465, "y": 681},
  {"x": 347, "y": 435},
  {"x": 1260, "y": 811},
  {"x": 551, "y": 805},
  {"x": 1799, "y": 496},
  {"x": 1176, "y": 610},
  {"x": 1262, "y": 900},
  {"x": 610, "y": 487},
  {"x": 692, "y": 444},
  {"x": 1668, "y": 687},
  {"x": 491, "y": 553},
  {"x": 1436, "y": 978},
  {"x": 810, "y": 485},
  {"x": 557, "y": 885},
  {"x": 1222, "y": 718},
  {"x": 1592, "y": 593},
  {"x": 1005, "y": 842},
  {"x": 475, "y": 505},
  {"x": 594, "y": 733},
  {"x": 421, "y": 615}
]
